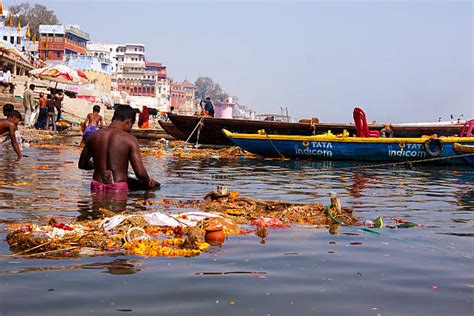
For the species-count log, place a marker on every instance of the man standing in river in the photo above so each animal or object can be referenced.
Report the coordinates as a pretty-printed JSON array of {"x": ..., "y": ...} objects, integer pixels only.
[
  {"x": 111, "y": 149},
  {"x": 9, "y": 125}
]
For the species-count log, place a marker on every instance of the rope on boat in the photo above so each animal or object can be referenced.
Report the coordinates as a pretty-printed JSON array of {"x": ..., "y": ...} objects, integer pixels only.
[
  {"x": 274, "y": 147},
  {"x": 197, "y": 125}
]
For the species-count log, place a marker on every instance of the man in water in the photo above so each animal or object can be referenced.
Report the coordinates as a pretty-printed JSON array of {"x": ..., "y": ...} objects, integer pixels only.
[
  {"x": 112, "y": 148},
  {"x": 7, "y": 109},
  {"x": 9, "y": 125},
  {"x": 92, "y": 123}
]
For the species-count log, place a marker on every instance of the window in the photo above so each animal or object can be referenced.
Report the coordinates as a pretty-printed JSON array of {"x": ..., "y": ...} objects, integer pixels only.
[
  {"x": 12, "y": 39},
  {"x": 58, "y": 54},
  {"x": 110, "y": 49},
  {"x": 5, "y": 38}
]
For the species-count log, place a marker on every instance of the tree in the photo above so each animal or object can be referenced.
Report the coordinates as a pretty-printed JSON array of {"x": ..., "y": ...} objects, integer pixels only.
[
  {"x": 205, "y": 87},
  {"x": 34, "y": 15}
]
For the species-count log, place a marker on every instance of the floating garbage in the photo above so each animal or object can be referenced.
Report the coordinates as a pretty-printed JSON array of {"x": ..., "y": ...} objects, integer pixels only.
[
  {"x": 217, "y": 216},
  {"x": 181, "y": 150}
]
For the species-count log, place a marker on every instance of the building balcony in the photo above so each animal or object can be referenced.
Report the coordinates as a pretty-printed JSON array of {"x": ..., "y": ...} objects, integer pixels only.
[
  {"x": 137, "y": 65},
  {"x": 43, "y": 45},
  {"x": 73, "y": 47},
  {"x": 132, "y": 51},
  {"x": 78, "y": 32}
]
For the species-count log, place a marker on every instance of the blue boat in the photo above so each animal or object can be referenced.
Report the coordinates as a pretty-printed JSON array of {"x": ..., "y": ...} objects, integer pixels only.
[
  {"x": 466, "y": 151},
  {"x": 344, "y": 147}
]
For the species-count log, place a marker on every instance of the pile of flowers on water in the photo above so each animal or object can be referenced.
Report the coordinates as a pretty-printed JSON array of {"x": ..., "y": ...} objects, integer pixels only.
[
  {"x": 180, "y": 150},
  {"x": 163, "y": 233}
]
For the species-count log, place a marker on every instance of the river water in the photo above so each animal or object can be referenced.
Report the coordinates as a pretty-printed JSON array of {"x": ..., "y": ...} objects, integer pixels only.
[{"x": 425, "y": 270}]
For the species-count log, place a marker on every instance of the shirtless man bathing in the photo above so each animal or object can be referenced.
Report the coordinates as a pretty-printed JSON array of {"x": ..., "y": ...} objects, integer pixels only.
[
  {"x": 9, "y": 126},
  {"x": 112, "y": 148},
  {"x": 92, "y": 123}
]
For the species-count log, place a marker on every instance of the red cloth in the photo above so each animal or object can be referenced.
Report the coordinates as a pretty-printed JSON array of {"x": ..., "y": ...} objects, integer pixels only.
[
  {"x": 143, "y": 118},
  {"x": 97, "y": 186}
]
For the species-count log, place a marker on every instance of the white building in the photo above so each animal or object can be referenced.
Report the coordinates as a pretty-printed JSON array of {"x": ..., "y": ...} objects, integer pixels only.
[
  {"x": 142, "y": 82},
  {"x": 16, "y": 36},
  {"x": 103, "y": 52}
]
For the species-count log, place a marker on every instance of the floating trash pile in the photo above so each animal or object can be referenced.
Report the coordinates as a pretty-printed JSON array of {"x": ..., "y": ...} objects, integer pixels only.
[
  {"x": 186, "y": 234},
  {"x": 179, "y": 149}
]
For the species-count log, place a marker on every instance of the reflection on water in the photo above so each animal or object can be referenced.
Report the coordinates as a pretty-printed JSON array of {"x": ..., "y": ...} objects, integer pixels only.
[
  {"x": 298, "y": 271},
  {"x": 117, "y": 266}
]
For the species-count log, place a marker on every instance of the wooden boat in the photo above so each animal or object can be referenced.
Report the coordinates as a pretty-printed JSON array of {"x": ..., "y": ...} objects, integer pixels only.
[
  {"x": 465, "y": 150},
  {"x": 170, "y": 129},
  {"x": 153, "y": 134},
  {"x": 332, "y": 147},
  {"x": 210, "y": 132}
]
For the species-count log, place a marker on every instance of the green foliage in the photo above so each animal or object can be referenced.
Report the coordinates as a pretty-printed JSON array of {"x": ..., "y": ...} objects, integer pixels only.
[{"x": 34, "y": 15}]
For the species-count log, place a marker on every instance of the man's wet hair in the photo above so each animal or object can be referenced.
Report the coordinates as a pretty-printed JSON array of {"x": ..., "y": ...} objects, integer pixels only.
[
  {"x": 96, "y": 108},
  {"x": 123, "y": 113},
  {"x": 8, "y": 108},
  {"x": 15, "y": 113}
]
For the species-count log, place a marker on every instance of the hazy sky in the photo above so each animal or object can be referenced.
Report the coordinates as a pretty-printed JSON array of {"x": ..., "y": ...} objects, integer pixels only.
[{"x": 399, "y": 60}]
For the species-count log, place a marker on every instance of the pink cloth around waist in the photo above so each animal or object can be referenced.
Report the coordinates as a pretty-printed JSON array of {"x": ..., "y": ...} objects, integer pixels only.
[{"x": 97, "y": 186}]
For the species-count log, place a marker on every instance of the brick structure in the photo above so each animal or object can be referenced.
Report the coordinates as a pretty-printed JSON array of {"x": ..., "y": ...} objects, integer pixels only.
[
  {"x": 183, "y": 96},
  {"x": 56, "y": 41}
]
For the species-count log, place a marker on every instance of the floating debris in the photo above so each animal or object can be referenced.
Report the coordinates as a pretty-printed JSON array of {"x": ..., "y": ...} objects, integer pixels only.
[{"x": 187, "y": 234}]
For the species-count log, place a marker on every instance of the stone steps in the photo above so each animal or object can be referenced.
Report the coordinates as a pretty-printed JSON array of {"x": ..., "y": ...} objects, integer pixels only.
[{"x": 8, "y": 98}]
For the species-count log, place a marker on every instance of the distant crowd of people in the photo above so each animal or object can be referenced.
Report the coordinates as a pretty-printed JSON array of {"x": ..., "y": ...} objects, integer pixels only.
[{"x": 44, "y": 113}]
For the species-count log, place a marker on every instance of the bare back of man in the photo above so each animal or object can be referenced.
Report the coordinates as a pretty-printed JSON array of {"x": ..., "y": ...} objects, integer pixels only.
[
  {"x": 112, "y": 149},
  {"x": 9, "y": 126},
  {"x": 94, "y": 119}
]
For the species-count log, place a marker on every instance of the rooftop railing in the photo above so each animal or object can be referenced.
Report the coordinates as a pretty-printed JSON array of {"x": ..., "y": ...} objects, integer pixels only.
[{"x": 78, "y": 32}]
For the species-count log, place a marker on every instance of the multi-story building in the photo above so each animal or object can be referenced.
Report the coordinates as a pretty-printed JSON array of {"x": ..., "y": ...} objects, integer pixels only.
[
  {"x": 104, "y": 51},
  {"x": 130, "y": 70},
  {"x": 141, "y": 81},
  {"x": 19, "y": 36},
  {"x": 56, "y": 41},
  {"x": 156, "y": 72},
  {"x": 89, "y": 62},
  {"x": 183, "y": 96}
]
